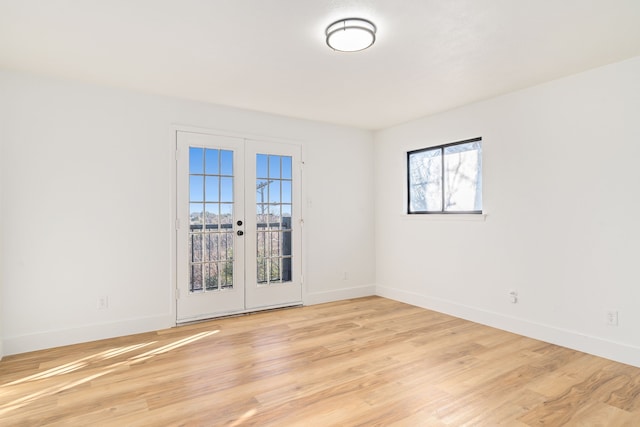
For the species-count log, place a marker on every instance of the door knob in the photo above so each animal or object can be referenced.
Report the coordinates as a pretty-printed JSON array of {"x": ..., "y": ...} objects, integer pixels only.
[
  {"x": 240, "y": 233},
  {"x": 239, "y": 222}
]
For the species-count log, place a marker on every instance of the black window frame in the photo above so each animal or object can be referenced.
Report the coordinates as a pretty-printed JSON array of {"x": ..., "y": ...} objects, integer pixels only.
[{"x": 441, "y": 148}]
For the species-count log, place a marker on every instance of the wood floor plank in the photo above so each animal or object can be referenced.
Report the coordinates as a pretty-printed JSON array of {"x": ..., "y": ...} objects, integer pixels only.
[{"x": 362, "y": 362}]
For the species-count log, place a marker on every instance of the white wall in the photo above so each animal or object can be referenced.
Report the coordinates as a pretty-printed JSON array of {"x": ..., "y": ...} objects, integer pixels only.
[
  {"x": 561, "y": 176},
  {"x": 87, "y": 205},
  {"x": 86, "y": 202},
  {"x": 3, "y": 113}
]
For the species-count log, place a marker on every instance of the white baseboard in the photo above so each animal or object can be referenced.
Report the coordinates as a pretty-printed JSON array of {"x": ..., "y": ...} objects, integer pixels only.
[
  {"x": 618, "y": 352},
  {"x": 339, "y": 294},
  {"x": 57, "y": 338}
]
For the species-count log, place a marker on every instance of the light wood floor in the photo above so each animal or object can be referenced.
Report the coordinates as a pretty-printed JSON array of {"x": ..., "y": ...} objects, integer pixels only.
[{"x": 363, "y": 362}]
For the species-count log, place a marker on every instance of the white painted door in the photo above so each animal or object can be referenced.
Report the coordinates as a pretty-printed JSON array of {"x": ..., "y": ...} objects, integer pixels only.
[
  {"x": 274, "y": 225},
  {"x": 239, "y": 226},
  {"x": 210, "y": 253}
]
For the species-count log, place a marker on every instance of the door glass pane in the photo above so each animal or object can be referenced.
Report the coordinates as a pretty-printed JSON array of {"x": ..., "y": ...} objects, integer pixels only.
[
  {"x": 211, "y": 276},
  {"x": 212, "y": 161},
  {"x": 224, "y": 250},
  {"x": 274, "y": 167},
  {"x": 195, "y": 215},
  {"x": 212, "y": 188},
  {"x": 211, "y": 216},
  {"x": 286, "y": 191},
  {"x": 196, "y": 188},
  {"x": 210, "y": 234},
  {"x": 286, "y": 269},
  {"x": 262, "y": 270},
  {"x": 195, "y": 280},
  {"x": 211, "y": 249},
  {"x": 286, "y": 167},
  {"x": 273, "y": 217},
  {"x": 275, "y": 244},
  {"x": 286, "y": 243},
  {"x": 226, "y": 162},
  {"x": 262, "y": 212},
  {"x": 226, "y": 275},
  {"x": 195, "y": 247},
  {"x": 262, "y": 244},
  {"x": 275, "y": 270},
  {"x": 274, "y": 191},
  {"x": 226, "y": 215},
  {"x": 195, "y": 160},
  {"x": 262, "y": 169},
  {"x": 226, "y": 189}
]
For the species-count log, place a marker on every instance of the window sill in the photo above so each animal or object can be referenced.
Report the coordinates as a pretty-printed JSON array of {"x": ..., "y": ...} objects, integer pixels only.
[{"x": 445, "y": 217}]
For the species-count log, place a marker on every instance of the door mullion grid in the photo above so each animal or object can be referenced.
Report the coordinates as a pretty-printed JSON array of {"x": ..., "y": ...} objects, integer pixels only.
[
  {"x": 218, "y": 262},
  {"x": 268, "y": 234},
  {"x": 204, "y": 220}
]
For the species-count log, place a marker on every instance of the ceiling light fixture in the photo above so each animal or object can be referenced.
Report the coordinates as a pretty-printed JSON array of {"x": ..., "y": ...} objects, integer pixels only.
[{"x": 351, "y": 34}]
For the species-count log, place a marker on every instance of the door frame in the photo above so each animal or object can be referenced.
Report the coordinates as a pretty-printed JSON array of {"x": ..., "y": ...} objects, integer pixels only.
[{"x": 173, "y": 270}]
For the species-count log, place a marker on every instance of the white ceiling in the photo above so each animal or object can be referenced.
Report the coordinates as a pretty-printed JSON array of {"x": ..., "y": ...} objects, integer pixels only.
[{"x": 270, "y": 55}]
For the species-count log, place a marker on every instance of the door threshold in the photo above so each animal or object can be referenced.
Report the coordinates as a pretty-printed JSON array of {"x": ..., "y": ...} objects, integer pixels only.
[{"x": 238, "y": 313}]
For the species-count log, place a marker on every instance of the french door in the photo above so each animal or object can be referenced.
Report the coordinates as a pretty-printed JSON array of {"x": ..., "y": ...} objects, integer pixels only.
[{"x": 238, "y": 229}]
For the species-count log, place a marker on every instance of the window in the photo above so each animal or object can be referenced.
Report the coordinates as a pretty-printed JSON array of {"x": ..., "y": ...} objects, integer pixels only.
[{"x": 445, "y": 179}]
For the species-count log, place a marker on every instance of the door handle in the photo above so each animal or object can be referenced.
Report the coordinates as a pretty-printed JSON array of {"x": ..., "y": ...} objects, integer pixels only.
[{"x": 240, "y": 233}]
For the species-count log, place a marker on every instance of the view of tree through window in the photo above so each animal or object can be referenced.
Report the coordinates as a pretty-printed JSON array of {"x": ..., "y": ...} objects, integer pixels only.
[{"x": 446, "y": 178}]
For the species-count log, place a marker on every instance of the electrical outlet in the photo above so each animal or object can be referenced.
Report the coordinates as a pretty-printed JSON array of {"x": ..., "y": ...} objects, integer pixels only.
[
  {"x": 103, "y": 302},
  {"x": 513, "y": 296},
  {"x": 612, "y": 317}
]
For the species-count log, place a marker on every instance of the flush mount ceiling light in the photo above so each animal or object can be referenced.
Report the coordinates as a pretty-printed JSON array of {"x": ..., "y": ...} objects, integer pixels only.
[{"x": 351, "y": 34}]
